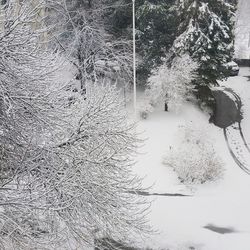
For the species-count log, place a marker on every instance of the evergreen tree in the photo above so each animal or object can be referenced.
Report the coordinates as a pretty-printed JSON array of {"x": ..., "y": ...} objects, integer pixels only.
[
  {"x": 206, "y": 33},
  {"x": 156, "y": 27}
]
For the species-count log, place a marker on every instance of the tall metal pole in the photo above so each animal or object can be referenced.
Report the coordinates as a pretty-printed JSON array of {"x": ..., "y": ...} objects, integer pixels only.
[{"x": 134, "y": 58}]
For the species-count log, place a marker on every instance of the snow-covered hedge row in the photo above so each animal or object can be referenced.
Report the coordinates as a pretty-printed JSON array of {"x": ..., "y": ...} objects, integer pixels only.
[{"x": 194, "y": 159}]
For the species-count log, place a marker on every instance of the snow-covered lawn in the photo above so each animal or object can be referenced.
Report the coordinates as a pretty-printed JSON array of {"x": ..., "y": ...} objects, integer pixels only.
[{"x": 225, "y": 203}]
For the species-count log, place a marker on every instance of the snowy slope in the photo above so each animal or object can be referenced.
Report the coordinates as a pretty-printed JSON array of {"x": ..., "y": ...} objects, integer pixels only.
[{"x": 226, "y": 203}]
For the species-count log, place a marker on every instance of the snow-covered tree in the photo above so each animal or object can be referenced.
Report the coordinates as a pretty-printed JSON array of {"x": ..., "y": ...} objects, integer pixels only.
[
  {"x": 170, "y": 84},
  {"x": 84, "y": 35},
  {"x": 206, "y": 33},
  {"x": 65, "y": 168}
]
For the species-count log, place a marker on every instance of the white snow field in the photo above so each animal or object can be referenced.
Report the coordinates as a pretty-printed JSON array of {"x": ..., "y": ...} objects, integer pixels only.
[{"x": 223, "y": 205}]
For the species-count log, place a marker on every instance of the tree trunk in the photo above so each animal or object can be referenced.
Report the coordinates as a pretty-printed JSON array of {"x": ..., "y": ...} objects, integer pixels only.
[{"x": 166, "y": 107}]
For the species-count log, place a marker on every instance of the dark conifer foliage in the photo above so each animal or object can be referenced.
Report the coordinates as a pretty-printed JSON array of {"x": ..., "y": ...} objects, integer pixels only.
[
  {"x": 156, "y": 29},
  {"x": 206, "y": 33}
]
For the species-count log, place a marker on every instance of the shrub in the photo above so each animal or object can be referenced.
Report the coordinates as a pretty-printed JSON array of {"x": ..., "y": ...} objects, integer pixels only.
[{"x": 194, "y": 159}]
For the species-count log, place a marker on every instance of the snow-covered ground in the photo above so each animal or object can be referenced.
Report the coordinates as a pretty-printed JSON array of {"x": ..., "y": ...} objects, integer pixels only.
[{"x": 180, "y": 221}]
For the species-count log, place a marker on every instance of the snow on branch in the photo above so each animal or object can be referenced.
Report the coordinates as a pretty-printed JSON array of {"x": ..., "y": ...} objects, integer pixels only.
[
  {"x": 65, "y": 167},
  {"x": 194, "y": 159},
  {"x": 170, "y": 84}
]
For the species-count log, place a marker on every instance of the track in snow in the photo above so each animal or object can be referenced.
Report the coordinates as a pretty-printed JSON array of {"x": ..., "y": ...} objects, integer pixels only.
[
  {"x": 237, "y": 149},
  {"x": 236, "y": 142}
]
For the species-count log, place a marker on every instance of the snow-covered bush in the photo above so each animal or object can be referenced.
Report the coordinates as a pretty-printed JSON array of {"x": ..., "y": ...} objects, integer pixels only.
[
  {"x": 170, "y": 84},
  {"x": 194, "y": 159}
]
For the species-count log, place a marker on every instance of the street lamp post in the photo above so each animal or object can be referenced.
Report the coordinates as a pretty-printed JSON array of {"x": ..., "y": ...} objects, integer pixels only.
[{"x": 134, "y": 58}]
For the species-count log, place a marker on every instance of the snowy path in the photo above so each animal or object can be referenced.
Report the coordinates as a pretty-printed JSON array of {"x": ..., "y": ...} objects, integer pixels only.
[
  {"x": 228, "y": 116},
  {"x": 184, "y": 222},
  {"x": 234, "y": 136}
]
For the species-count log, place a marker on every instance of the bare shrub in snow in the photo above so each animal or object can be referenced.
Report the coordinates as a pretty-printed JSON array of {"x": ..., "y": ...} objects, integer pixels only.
[
  {"x": 170, "y": 84},
  {"x": 65, "y": 170},
  {"x": 195, "y": 160}
]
